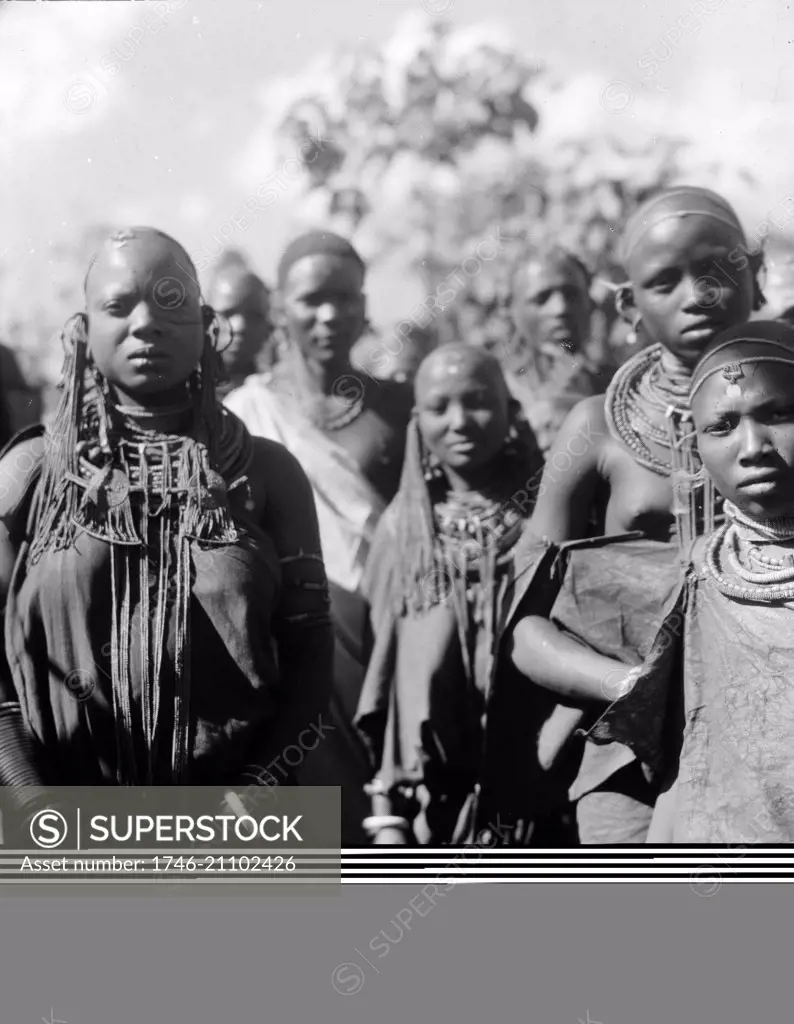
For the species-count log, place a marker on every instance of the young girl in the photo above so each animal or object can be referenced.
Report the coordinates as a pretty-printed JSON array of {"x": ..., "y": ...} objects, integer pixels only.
[
  {"x": 454, "y": 734},
  {"x": 625, "y": 461},
  {"x": 166, "y": 606},
  {"x": 710, "y": 710}
]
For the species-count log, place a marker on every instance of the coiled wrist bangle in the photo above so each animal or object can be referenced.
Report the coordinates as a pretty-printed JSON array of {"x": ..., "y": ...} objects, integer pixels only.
[{"x": 377, "y": 822}]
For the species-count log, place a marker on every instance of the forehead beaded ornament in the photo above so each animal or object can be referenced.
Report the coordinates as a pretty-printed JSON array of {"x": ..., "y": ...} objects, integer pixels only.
[{"x": 733, "y": 373}]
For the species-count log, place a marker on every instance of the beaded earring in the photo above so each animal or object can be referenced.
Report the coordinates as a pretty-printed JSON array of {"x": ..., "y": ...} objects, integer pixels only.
[
  {"x": 759, "y": 280},
  {"x": 223, "y": 337},
  {"x": 102, "y": 403},
  {"x": 520, "y": 442},
  {"x": 58, "y": 504},
  {"x": 205, "y": 378},
  {"x": 631, "y": 337},
  {"x": 431, "y": 467},
  {"x": 511, "y": 443}
]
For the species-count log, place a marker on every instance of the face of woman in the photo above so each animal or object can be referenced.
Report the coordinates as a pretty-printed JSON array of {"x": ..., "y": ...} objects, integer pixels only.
[
  {"x": 746, "y": 440},
  {"x": 145, "y": 328},
  {"x": 685, "y": 287},
  {"x": 463, "y": 412},
  {"x": 552, "y": 304},
  {"x": 324, "y": 307}
]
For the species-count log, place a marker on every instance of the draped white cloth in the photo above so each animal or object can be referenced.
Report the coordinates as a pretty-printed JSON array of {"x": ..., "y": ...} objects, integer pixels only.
[{"x": 348, "y": 508}]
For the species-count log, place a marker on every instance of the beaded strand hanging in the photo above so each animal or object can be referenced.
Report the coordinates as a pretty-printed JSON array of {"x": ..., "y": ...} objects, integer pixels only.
[{"x": 646, "y": 403}]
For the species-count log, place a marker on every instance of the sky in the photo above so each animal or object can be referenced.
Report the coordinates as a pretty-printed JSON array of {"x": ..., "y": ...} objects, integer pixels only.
[{"x": 144, "y": 111}]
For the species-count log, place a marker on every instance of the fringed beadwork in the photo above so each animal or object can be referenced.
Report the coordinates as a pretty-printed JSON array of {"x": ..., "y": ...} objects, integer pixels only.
[
  {"x": 151, "y": 496},
  {"x": 474, "y": 538}
]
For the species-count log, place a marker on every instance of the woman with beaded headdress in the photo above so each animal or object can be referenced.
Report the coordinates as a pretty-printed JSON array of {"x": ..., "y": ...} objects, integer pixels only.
[
  {"x": 627, "y": 461},
  {"x": 709, "y": 709},
  {"x": 166, "y": 605},
  {"x": 453, "y": 731},
  {"x": 347, "y": 430}
]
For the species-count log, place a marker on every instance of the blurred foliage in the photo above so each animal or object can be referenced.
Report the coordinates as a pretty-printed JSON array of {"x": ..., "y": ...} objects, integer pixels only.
[{"x": 429, "y": 142}]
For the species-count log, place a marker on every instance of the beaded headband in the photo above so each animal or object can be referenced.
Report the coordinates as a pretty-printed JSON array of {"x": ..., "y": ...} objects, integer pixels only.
[
  {"x": 699, "y": 203},
  {"x": 732, "y": 370}
]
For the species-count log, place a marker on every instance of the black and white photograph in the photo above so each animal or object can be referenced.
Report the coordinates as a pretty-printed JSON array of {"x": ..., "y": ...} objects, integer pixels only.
[{"x": 397, "y": 401}]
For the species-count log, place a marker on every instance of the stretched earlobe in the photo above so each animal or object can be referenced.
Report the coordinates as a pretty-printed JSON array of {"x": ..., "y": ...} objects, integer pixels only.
[
  {"x": 624, "y": 304},
  {"x": 216, "y": 328},
  {"x": 75, "y": 332},
  {"x": 758, "y": 269}
]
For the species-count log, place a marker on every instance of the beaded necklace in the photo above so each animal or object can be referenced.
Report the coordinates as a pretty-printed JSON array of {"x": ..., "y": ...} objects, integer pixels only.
[
  {"x": 740, "y": 542},
  {"x": 139, "y": 413},
  {"x": 471, "y": 523},
  {"x": 474, "y": 537},
  {"x": 645, "y": 402}
]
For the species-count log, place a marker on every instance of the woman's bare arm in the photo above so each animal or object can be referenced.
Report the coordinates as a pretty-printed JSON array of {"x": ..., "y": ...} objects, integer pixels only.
[
  {"x": 568, "y": 487},
  {"x": 540, "y": 651}
]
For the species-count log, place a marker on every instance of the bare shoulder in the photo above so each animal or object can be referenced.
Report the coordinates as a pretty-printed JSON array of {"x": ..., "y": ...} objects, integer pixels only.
[
  {"x": 590, "y": 410},
  {"x": 574, "y": 467},
  {"x": 20, "y": 465},
  {"x": 584, "y": 432}
]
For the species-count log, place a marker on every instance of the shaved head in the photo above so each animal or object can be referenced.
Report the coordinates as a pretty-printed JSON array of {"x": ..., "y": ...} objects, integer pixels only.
[
  {"x": 684, "y": 284},
  {"x": 454, "y": 361},
  {"x": 235, "y": 285},
  {"x": 237, "y": 294},
  {"x": 676, "y": 204},
  {"x": 156, "y": 254},
  {"x": 145, "y": 318},
  {"x": 463, "y": 409}
]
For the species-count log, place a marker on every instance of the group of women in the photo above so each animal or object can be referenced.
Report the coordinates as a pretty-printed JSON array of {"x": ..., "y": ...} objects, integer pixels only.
[{"x": 589, "y": 648}]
